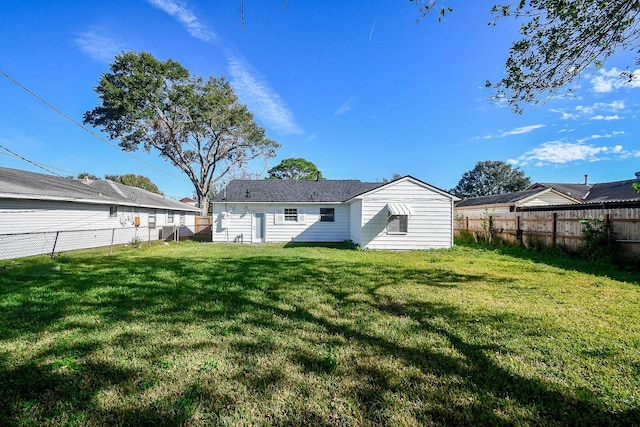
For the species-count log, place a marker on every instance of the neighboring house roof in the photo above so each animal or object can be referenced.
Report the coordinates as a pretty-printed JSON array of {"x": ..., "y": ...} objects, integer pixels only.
[
  {"x": 499, "y": 199},
  {"x": 576, "y": 191},
  {"x": 18, "y": 184},
  {"x": 616, "y": 191},
  {"x": 304, "y": 191},
  {"x": 612, "y": 191},
  {"x": 292, "y": 190},
  {"x": 593, "y": 193}
]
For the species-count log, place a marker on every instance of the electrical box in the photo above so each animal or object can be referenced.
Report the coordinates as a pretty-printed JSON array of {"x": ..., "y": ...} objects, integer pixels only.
[{"x": 224, "y": 220}]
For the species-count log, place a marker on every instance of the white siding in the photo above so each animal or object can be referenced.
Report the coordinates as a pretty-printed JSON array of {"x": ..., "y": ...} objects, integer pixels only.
[
  {"x": 355, "y": 232},
  {"x": 430, "y": 225},
  {"x": 308, "y": 228},
  {"x": 33, "y": 227},
  {"x": 480, "y": 211},
  {"x": 548, "y": 198}
]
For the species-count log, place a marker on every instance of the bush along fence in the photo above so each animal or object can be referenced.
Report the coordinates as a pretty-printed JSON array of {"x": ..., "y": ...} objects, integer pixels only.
[
  {"x": 54, "y": 242},
  {"x": 588, "y": 228}
]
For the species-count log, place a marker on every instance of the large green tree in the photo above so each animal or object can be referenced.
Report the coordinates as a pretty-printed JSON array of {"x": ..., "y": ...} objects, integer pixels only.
[
  {"x": 134, "y": 180},
  {"x": 490, "y": 177},
  {"x": 199, "y": 126},
  {"x": 295, "y": 168},
  {"x": 561, "y": 39}
]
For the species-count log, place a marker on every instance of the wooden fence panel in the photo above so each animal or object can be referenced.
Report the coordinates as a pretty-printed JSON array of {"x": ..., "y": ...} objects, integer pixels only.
[{"x": 561, "y": 227}]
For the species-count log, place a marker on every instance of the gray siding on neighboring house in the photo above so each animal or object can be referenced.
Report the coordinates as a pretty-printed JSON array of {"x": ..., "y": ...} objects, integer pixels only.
[
  {"x": 29, "y": 227},
  {"x": 38, "y": 210}
]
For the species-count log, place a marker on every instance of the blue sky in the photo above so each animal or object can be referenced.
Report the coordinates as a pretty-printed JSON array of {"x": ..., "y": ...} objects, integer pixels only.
[{"x": 358, "y": 88}]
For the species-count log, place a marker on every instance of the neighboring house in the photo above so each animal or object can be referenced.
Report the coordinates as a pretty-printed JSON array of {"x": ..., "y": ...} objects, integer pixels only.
[
  {"x": 188, "y": 201},
  {"x": 36, "y": 204},
  {"x": 403, "y": 214},
  {"x": 615, "y": 191},
  {"x": 548, "y": 194},
  {"x": 476, "y": 207}
]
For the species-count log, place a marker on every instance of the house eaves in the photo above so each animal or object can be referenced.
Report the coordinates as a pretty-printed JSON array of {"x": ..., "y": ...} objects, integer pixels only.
[{"x": 404, "y": 178}]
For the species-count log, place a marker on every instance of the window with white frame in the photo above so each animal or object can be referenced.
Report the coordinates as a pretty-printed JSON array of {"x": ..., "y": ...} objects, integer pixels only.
[
  {"x": 327, "y": 214},
  {"x": 181, "y": 219},
  {"x": 113, "y": 211},
  {"x": 152, "y": 218},
  {"x": 398, "y": 224},
  {"x": 291, "y": 215},
  {"x": 170, "y": 217}
]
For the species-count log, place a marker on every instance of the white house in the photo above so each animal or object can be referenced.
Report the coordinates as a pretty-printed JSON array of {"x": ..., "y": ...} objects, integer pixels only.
[
  {"x": 403, "y": 214},
  {"x": 39, "y": 212}
]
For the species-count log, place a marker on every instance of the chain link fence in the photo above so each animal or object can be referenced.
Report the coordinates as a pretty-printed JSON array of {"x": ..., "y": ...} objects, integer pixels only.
[{"x": 21, "y": 245}]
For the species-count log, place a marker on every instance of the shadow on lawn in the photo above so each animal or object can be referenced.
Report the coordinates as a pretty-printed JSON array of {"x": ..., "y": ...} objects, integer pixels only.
[
  {"x": 558, "y": 258},
  {"x": 234, "y": 297}
]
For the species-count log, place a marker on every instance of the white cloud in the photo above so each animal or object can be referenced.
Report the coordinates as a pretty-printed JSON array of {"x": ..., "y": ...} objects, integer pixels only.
[
  {"x": 345, "y": 107},
  {"x": 99, "y": 47},
  {"x": 187, "y": 18},
  {"x": 517, "y": 131},
  {"x": 264, "y": 101},
  {"x": 606, "y": 81},
  {"x": 606, "y": 118},
  {"x": 594, "y": 112},
  {"x": 598, "y": 136},
  {"x": 560, "y": 152}
]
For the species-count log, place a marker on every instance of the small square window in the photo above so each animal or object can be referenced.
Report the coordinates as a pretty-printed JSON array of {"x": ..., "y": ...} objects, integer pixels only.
[
  {"x": 327, "y": 214},
  {"x": 291, "y": 214},
  {"x": 113, "y": 211},
  {"x": 397, "y": 224}
]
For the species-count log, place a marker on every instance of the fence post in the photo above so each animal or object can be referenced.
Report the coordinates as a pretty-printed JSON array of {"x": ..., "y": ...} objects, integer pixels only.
[
  {"x": 518, "y": 231},
  {"x": 554, "y": 228},
  {"x": 55, "y": 242},
  {"x": 113, "y": 232}
]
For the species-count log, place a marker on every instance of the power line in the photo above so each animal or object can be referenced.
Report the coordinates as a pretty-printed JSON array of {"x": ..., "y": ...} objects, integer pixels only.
[
  {"x": 90, "y": 132},
  {"x": 29, "y": 161},
  {"x": 38, "y": 164}
]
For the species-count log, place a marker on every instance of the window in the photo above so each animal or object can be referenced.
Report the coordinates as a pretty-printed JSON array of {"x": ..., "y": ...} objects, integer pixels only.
[
  {"x": 327, "y": 214},
  {"x": 152, "y": 218},
  {"x": 397, "y": 224},
  {"x": 181, "y": 219},
  {"x": 170, "y": 217},
  {"x": 290, "y": 214},
  {"x": 113, "y": 211}
]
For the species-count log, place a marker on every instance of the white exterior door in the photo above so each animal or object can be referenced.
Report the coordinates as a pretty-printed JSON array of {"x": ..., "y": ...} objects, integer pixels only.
[{"x": 258, "y": 228}]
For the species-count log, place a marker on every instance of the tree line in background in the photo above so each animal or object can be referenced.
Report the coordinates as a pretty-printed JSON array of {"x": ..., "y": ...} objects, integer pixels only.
[{"x": 129, "y": 179}]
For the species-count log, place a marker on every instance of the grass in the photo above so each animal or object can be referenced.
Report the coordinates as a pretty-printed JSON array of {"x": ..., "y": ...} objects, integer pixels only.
[{"x": 207, "y": 334}]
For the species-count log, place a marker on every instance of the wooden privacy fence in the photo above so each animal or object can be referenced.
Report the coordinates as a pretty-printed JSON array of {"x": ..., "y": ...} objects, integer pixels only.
[
  {"x": 203, "y": 231},
  {"x": 557, "y": 225}
]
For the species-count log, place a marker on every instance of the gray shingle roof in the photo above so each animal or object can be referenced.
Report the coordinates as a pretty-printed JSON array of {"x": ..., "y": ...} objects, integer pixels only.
[
  {"x": 616, "y": 191},
  {"x": 498, "y": 199},
  {"x": 577, "y": 191},
  {"x": 20, "y": 184},
  {"x": 612, "y": 191},
  {"x": 286, "y": 190}
]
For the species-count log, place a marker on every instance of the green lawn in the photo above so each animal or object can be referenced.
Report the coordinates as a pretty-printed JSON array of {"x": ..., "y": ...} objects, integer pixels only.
[{"x": 209, "y": 334}]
